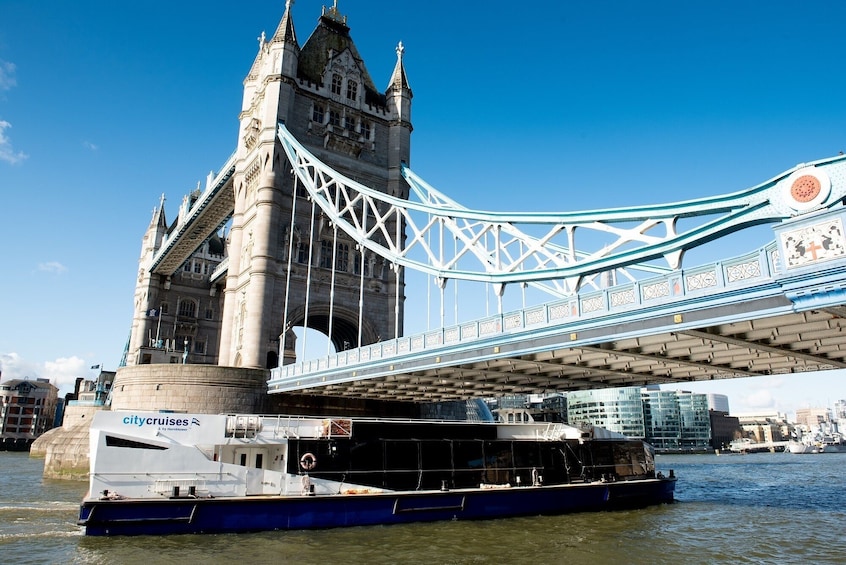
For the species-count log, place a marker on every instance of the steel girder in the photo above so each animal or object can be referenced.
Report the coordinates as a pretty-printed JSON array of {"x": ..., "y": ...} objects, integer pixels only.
[{"x": 449, "y": 241}]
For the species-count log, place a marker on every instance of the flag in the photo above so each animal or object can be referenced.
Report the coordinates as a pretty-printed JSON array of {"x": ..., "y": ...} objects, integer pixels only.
[
  {"x": 95, "y": 366},
  {"x": 154, "y": 312}
]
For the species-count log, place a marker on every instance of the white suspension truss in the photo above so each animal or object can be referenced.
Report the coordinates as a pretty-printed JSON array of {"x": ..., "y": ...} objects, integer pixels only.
[{"x": 449, "y": 241}]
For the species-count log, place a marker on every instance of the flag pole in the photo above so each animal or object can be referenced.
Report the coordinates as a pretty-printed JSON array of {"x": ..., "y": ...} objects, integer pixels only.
[{"x": 159, "y": 326}]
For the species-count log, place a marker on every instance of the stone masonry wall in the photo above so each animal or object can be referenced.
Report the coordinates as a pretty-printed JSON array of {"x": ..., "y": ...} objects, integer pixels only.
[{"x": 208, "y": 389}]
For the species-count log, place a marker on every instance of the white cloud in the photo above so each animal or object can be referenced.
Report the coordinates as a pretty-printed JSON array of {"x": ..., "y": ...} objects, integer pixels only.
[
  {"x": 62, "y": 372},
  {"x": 7, "y": 153},
  {"x": 52, "y": 267},
  {"x": 90, "y": 146},
  {"x": 7, "y": 78},
  {"x": 760, "y": 399},
  {"x": 13, "y": 367}
]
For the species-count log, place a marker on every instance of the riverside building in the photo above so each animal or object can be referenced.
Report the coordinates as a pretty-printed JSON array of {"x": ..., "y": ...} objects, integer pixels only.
[{"x": 27, "y": 410}]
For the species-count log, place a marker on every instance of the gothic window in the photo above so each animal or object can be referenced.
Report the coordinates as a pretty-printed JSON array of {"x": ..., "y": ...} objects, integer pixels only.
[
  {"x": 317, "y": 114},
  {"x": 352, "y": 90},
  {"x": 334, "y": 118},
  {"x": 187, "y": 267},
  {"x": 336, "y": 84},
  {"x": 302, "y": 253},
  {"x": 198, "y": 267},
  {"x": 326, "y": 254},
  {"x": 343, "y": 258},
  {"x": 365, "y": 129},
  {"x": 165, "y": 308},
  {"x": 209, "y": 314},
  {"x": 349, "y": 123},
  {"x": 187, "y": 308}
]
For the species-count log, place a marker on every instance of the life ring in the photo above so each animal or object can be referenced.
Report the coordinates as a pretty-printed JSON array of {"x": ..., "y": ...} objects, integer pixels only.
[{"x": 308, "y": 461}]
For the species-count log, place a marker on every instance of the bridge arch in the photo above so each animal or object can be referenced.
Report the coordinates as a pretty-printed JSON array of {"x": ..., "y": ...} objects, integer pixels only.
[{"x": 339, "y": 324}]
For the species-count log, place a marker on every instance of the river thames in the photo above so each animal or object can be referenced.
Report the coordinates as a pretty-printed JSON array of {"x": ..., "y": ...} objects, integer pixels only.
[{"x": 757, "y": 508}]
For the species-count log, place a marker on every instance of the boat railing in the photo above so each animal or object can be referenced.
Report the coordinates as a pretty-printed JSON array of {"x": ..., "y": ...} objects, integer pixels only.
[
  {"x": 553, "y": 431},
  {"x": 249, "y": 426}
]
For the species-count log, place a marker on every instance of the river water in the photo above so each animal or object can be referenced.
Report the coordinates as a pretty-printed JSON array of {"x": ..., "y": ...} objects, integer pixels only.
[{"x": 757, "y": 508}]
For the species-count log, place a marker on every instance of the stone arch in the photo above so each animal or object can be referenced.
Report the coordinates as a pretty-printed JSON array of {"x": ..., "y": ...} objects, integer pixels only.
[
  {"x": 272, "y": 360},
  {"x": 344, "y": 325}
]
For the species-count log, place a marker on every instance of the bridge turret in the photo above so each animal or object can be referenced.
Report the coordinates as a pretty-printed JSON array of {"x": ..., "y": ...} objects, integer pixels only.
[
  {"x": 398, "y": 100},
  {"x": 147, "y": 298}
]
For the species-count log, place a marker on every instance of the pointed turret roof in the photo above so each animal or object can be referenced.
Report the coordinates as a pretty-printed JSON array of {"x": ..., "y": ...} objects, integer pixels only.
[
  {"x": 332, "y": 35},
  {"x": 285, "y": 32},
  {"x": 398, "y": 78},
  {"x": 159, "y": 220}
]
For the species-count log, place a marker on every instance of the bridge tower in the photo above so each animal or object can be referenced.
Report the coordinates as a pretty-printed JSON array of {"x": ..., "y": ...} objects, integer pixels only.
[{"x": 326, "y": 98}]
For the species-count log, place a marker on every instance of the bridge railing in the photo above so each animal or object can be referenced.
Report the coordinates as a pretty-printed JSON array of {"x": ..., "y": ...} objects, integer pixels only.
[{"x": 686, "y": 284}]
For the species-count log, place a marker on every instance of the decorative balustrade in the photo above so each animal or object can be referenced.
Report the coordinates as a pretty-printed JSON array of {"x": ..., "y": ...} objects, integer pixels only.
[{"x": 678, "y": 286}]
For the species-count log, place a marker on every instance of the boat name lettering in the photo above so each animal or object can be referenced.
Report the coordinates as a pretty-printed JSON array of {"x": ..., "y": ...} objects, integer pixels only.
[{"x": 160, "y": 421}]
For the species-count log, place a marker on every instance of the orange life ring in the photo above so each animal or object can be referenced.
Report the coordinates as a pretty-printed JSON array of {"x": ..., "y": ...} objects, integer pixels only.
[{"x": 308, "y": 461}]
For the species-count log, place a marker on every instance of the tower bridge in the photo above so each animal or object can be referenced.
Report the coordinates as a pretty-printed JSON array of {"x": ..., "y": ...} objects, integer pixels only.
[
  {"x": 777, "y": 310},
  {"x": 326, "y": 219}
]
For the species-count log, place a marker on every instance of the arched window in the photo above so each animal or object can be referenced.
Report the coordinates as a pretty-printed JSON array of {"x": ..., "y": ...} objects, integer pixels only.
[
  {"x": 336, "y": 84},
  {"x": 187, "y": 308},
  {"x": 326, "y": 254},
  {"x": 352, "y": 90},
  {"x": 343, "y": 258}
]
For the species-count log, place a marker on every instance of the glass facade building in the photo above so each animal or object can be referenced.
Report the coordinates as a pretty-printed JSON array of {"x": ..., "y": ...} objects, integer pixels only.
[
  {"x": 695, "y": 421},
  {"x": 616, "y": 409},
  {"x": 662, "y": 419}
]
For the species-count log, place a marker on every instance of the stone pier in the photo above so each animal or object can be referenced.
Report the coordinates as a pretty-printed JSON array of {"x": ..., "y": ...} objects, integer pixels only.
[{"x": 204, "y": 389}]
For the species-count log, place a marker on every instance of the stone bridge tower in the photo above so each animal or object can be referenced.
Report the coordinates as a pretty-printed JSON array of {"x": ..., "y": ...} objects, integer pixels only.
[{"x": 326, "y": 98}]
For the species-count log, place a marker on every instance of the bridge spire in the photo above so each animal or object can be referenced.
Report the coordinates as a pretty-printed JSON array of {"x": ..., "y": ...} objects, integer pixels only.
[
  {"x": 399, "y": 79},
  {"x": 285, "y": 32},
  {"x": 159, "y": 214}
]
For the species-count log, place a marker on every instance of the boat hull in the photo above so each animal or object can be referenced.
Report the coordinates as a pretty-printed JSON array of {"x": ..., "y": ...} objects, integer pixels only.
[{"x": 263, "y": 513}]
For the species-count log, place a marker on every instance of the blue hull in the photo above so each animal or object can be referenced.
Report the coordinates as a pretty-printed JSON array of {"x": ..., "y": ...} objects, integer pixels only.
[{"x": 262, "y": 513}]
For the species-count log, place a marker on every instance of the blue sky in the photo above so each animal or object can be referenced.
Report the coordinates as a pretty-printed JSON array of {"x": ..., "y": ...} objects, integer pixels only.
[{"x": 104, "y": 106}]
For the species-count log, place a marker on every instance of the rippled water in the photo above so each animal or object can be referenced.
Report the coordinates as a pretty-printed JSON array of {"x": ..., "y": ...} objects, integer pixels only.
[{"x": 760, "y": 508}]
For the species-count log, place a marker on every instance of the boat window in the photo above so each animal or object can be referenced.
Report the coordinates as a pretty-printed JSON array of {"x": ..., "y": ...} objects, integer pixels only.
[
  {"x": 243, "y": 459},
  {"x": 259, "y": 460},
  {"x": 112, "y": 441}
]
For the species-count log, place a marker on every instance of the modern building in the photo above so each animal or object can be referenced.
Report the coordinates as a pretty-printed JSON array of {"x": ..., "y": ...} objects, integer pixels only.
[
  {"x": 724, "y": 429},
  {"x": 812, "y": 418},
  {"x": 669, "y": 420},
  {"x": 718, "y": 402},
  {"x": 662, "y": 419},
  {"x": 695, "y": 421},
  {"x": 27, "y": 410},
  {"x": 616, "y": 409},
  {"x": 766, "y": 428}
]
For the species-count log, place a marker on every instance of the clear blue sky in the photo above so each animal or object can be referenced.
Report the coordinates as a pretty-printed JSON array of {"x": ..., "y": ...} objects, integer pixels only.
[{"x": 104, "y": 106}]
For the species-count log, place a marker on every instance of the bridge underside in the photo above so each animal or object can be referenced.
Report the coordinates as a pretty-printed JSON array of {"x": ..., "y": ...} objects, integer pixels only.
[{"x": 786, "y": 343}]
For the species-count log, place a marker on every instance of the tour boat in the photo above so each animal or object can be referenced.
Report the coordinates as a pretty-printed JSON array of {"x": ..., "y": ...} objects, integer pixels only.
[{"x": 168, "y": 473}]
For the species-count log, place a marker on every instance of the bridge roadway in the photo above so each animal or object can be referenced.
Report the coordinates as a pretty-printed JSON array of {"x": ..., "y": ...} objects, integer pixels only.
[
  {"x": 744, "y": 317},
  {"x": 209, "y": 213}
]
